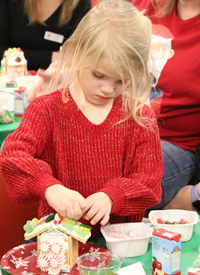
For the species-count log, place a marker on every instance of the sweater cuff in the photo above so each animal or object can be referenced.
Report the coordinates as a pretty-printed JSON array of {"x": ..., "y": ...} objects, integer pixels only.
[
  {"x": 39, "y": 184},
  {"x": 117, "y": 196}
]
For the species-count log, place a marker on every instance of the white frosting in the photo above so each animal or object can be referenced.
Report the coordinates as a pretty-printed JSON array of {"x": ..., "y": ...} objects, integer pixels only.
[{"x": 56, "y": 262}]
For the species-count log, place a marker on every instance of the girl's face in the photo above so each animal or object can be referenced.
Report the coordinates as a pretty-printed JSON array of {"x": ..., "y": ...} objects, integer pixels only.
[{"x": 99, "y": 86}]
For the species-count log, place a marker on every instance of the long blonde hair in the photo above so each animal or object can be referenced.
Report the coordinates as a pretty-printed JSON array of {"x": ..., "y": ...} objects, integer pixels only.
[
  {"x": 67, "y": 9},
  {"x": 163, "y": 7},
  {"x": 115, "y": 31}
]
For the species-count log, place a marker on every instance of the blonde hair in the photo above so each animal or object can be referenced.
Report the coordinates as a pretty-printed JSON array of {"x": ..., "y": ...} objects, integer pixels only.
[
  {"x": 163, "y": 7},
  {"x": 115, "y": 31},
  {"x": 67, "y": 10}
]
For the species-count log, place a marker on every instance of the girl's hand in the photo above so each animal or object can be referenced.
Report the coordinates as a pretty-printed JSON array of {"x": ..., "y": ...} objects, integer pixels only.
[
  {"x": 98, "y": 208},
  {"x": 65, "y": 201}
]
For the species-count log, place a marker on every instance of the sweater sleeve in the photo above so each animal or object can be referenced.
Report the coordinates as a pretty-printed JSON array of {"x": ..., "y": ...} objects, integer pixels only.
[
  {"x": 140, "y": 189},
  {"x": 25, "y": 174}
]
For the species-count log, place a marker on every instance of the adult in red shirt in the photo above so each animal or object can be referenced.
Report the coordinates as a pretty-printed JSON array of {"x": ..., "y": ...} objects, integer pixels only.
[{"x": 175, "y": 97}]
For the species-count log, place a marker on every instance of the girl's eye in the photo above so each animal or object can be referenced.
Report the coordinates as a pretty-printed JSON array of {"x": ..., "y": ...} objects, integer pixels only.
[
  {"x": 98, "y": 75},
  {"x": 119, "y": 82}
]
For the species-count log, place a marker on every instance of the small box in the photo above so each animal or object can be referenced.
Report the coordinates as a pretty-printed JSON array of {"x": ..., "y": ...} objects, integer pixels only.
[
  {"x": 19, "y": 101},
  {"x": 166, "y": 252}
]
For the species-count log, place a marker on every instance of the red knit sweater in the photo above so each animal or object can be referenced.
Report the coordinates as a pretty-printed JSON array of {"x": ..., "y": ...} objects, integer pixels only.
[{"x": 55, "y": 143}]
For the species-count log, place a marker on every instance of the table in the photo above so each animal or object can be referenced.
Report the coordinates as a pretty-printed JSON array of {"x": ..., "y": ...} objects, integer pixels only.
[
  {"x": 6, "y": 129},
  {"x": 189, "y": 252}
]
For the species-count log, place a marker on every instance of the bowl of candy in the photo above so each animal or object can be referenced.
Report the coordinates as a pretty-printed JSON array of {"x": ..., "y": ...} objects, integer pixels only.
[
  {"x": 127, "y": 239},
  {"x": 99, "y": 263},
  {"x": 180, "y": 221}
]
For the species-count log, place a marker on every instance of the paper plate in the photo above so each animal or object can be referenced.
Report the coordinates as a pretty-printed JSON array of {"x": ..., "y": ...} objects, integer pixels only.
[{"x": 22, "y": 260}]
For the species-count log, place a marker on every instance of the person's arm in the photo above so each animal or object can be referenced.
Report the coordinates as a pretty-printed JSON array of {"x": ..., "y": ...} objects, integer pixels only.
[
  {"x": 40, "y": 86},
  {"x": 141, "y": 189},
  {"x": 25, "y": 174}
]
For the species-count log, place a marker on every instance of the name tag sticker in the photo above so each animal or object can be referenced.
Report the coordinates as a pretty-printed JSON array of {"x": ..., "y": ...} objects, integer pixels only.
[{"x": 55, "y": 37}]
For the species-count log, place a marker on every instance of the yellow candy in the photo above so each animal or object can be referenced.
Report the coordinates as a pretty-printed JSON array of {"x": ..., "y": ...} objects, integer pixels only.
[
  {"x": 14, "y": 50},
  {"x": 35, "y": 220},
  {"x": 73, "y": 222}
]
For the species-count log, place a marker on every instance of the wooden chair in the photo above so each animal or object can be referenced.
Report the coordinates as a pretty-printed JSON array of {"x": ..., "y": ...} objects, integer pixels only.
[{"x": 12, "y": 219}]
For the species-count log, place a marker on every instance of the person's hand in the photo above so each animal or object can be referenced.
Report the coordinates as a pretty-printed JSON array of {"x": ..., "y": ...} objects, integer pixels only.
[
  {"x": 182, "y": 200},
  {"x": 45, "y": 76},
  {"x": 55, "y": 56},
  {"x": 65, "y": 201},
  {"x": 98, "y": 208}
]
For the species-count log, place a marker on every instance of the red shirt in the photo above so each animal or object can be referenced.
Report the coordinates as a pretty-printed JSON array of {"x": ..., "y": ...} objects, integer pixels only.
[
  {"x": 179, "y": 81},
  {"x": 56, "y": 143}
]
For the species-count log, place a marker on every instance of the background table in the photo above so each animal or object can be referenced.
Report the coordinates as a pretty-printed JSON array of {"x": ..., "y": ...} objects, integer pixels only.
[{"x": 6, "y": 129}]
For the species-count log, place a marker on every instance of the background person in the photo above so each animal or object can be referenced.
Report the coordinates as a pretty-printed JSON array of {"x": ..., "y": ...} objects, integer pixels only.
[
  {"x": 176, "y": 24},
  {"x": 90, "y": 150},
  {"x": 39, "y": 27}
]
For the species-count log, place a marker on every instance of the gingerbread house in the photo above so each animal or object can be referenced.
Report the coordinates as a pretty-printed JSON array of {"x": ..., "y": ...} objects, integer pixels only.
[{"x": 57, "y": 241}]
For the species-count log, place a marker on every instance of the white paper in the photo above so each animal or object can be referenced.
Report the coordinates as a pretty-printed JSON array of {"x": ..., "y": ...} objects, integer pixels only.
[{"x": 132, "y": 269}]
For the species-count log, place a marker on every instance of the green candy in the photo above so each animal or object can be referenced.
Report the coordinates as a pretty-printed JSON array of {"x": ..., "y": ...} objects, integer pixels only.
[
  {"x": 49, "y": 218},
  {"x": 28, "y": 228},
  {"x": 81, "y": 233},
  {"x": 167, "y": 222},
  {"x": 68, "y": 226}
]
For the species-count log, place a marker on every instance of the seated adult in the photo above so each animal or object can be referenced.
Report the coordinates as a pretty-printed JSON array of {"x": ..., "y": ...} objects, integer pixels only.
[
  {"x": 176, "y": 96},
  {"x": 39, "y": 27}
]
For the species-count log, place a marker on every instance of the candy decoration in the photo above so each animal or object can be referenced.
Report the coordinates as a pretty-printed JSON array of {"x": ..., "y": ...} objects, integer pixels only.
[
  {"x": 159, "y": 220},
  {"x": 41, "y": 221},
  {"x": 33, "y": 223},
  {"x": 183, "y": 221},
  {"x": 43, "y": 262},
  {"x": 154, "y": 219},
  {"x": 61, "y": 217},
  {"x": 55, "y": 262},
  {"x": 57, "y": 220},
  {"x": 131, "y": 234},
  {"x": 56, "y": 247},
  {"x": 44, "y": 246}
]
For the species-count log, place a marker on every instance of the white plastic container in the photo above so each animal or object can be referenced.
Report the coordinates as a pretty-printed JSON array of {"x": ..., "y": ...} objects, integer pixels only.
[
  {"x": 128, "y": 247},
  {"x": 185, "y": 230},
  {"x": 26, "y": 81}
]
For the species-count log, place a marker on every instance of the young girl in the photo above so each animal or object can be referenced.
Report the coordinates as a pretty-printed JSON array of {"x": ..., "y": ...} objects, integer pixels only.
[{"x": 92, "y": 150}]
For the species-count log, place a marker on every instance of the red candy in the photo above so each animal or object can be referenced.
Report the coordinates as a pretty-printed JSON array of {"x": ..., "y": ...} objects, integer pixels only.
[
  {"x": 183, "y": 221},
  {"x": 159, "y": 220}
]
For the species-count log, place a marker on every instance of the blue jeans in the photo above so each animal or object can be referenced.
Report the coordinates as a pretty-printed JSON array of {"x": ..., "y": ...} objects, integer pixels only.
[{"x": 179, "y": 168}]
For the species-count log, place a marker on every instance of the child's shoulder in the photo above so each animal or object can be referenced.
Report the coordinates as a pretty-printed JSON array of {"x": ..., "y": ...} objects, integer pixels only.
[{"x": 51, "y": 100}]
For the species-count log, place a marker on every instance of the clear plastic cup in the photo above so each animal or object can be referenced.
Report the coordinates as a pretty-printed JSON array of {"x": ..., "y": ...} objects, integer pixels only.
[{"x": 99, "y": 263}]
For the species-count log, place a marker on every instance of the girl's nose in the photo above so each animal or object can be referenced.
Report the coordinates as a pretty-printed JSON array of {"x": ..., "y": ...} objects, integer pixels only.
[{"x": 107, "y": 88}]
